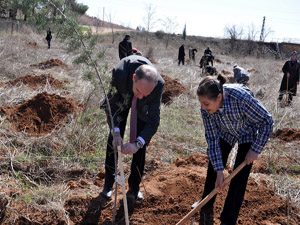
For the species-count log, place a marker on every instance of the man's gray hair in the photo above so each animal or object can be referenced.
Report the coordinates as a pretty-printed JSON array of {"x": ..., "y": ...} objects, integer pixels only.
[{"x": 147, "y": 72}]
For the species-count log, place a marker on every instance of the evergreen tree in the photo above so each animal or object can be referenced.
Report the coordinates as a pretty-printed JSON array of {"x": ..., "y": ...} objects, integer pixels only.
[{"x": 184, "y": 32}]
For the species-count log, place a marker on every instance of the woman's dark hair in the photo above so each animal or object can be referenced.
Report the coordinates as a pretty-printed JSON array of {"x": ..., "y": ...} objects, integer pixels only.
[{"x": 211, "y": 86}]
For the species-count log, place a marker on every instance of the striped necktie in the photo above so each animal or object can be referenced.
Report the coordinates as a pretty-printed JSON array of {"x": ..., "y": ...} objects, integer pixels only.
[{"x": 133, "y": 120}]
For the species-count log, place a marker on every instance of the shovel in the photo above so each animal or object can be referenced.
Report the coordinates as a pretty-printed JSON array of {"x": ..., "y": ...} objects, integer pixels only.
[{"x": 199, "y": 204}]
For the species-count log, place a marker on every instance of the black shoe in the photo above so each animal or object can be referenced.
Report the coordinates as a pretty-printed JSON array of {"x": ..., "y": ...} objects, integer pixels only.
[
  {"x": 207, "y": 216},
  {"x": 139, "y": 196},
  {"x": 131, "y": 200},
  {"x": 107, "y": 193}
]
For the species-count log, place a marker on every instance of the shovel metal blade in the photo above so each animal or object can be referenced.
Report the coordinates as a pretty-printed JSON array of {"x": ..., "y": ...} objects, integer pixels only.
[{"x": 195, "y": 204}]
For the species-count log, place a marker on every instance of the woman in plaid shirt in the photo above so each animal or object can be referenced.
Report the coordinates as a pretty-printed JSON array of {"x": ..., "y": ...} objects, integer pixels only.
[{"x": 230, "y": 114}]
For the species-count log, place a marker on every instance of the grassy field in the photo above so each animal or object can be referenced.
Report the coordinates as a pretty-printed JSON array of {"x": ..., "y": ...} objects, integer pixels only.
[{"x": 38, "y": 168}]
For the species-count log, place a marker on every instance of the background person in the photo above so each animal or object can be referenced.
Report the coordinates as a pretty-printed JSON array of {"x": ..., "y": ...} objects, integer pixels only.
[
  {"x": 125, "y": 47},
  {"x": 291, "y": 71},
  {"x": 181, "y": 55},
  {"x": 49, "y": 37}
]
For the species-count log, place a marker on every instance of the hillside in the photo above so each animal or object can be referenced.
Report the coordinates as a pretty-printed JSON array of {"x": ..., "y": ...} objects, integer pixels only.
[
  {"x": 53, "y": 136},
  {"x": 92, "y": 21}
]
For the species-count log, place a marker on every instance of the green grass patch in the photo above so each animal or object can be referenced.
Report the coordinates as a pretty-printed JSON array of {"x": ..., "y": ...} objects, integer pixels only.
[{"x": 84, "y": 29}]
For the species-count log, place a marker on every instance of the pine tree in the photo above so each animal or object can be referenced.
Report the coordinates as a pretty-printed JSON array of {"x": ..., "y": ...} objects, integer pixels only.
[{"x": 184, "y": 32}]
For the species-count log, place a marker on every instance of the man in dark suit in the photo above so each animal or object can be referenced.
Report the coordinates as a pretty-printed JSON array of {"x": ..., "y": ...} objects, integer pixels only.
[
  {"x": 125, "y": 47},
  {"x": 181, "y": 54},
  {"x": 133, "y": 78}
]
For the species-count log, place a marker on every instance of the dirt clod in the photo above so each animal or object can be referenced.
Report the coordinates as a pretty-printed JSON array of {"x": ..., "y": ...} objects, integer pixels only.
[{"x": 172, "y": 89}]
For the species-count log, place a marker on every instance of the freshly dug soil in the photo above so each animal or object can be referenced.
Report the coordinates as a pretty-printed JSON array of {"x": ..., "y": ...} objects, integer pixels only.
[
  {"x": 41, "y": 114},
  {"x": 50, "y": 63},
  {"x": 172, "y": 89},
  {"x": 288, "y": 134},
  {"x": 35, "y": 82}
]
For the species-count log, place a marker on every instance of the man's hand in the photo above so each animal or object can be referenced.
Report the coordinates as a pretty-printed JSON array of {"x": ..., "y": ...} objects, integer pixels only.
[
  {"x": 129, "y": 148},
  {"x": 117, "y": 141},
  {"x": 288, "y": 75},
  {"x": 251, "y": 156},
  {"x": 297, "y": 82},
  {"x": 220, "y": 180}
]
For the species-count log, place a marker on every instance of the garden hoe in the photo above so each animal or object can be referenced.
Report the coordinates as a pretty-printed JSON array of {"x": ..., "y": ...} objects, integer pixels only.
[{"x": 199, "y": 204}]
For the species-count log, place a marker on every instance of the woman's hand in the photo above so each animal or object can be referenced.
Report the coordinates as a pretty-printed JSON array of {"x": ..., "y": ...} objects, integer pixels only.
[
  {"x": 220, "y": 180},
  {"x": 251, "y": 156}
]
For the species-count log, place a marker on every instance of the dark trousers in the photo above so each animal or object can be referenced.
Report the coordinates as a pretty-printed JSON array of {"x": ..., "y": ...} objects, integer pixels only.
[
  {"x": 237, "y": 185},
  {"x": 48, "y": 43},
  {"x": 181, "y": 60},
  {"x": 138, "y": 160}
]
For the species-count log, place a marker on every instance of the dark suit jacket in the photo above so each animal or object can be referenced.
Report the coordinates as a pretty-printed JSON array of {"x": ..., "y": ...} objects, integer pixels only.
[
  {"x": 125, "y": 48},
  {"x": 120, "y": 99}
]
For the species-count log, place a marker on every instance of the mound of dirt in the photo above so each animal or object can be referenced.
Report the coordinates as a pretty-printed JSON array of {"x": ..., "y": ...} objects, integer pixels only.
[
  {"x": 172, "y": 89},
  {"x": 37, "y": 81},
  {"x": 41, "y": 114},
  {"x": 218, "y": 61},
  {"x": 32, "y": 44},
  {"x": 225, "y": 72},
  {"x": 50, "y": 63},
  {"x": 170, "y": 192},
  {"x": 252, "y": 70},
  {"x": 288, "y": 134}
]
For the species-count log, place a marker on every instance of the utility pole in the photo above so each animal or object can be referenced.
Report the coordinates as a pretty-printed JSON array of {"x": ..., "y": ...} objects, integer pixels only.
[
  {"x": 262, "y": 30},
  {"x": 103, "y": 13}
]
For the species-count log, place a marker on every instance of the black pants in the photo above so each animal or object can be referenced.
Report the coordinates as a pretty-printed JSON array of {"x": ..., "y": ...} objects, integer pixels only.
[
  {"x": 138, "y": 161},
  {"x": 181, "y": 60},
  {"x": 237, "y": 185}
]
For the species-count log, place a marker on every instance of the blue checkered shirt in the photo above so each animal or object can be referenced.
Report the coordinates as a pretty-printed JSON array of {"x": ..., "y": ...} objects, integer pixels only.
[{"x": 242, "y": 119}]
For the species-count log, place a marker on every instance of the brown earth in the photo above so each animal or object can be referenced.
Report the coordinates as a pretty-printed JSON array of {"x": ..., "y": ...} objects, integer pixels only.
[
  {"x": 41, "y": 114},
  {"x": 225, "y": 72},
  {"x": 171, "y": 89},
  {"x": 169, "y": 192},
  {"x": 36, "y": 81},
  {"x": 287, "y": 134},
  {"x": 32, "y": 44},
  {"x": 50, "y": 63},
  {"x": 219, "y": 61}
]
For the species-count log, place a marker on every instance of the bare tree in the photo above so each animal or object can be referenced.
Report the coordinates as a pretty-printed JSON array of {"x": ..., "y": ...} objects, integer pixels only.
[
  {"x": 234, "y": 33},
  {"x": 267, "y": 32},
  {"x": 252, "y": 33},
  {"x": 169, "y": 25},
  {"x": 110, "y": 20},
  {"x": 251, "y": 37},
  {"x": 149, "y": 19}
]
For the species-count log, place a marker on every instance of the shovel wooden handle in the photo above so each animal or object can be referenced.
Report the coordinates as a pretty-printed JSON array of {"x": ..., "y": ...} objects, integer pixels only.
[
  {"x": 123, "y": 185},
  {"x": 211, "y": 195}
]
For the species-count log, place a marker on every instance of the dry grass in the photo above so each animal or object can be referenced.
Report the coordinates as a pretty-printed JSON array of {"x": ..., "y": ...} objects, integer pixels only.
[{"x": 77, "y": 148}]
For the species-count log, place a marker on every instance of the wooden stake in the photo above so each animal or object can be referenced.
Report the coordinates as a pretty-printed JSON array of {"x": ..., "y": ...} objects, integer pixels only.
[
  {"x": 123, "y": 185},
  {"x": 211, "y": 195}
]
